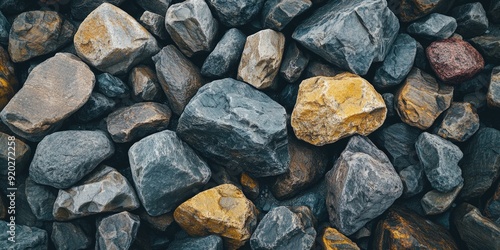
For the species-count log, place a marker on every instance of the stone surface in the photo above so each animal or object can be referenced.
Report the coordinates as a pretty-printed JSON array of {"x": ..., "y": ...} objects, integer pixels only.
[
  {"x": 389, "y": 103},
  {"x": 166, "y": 171},
  {"x": 459, "y": 123},
  {"x": 62, "y": 167},
  {"x": 144, "y": 84},
  {"x": 4, "y": 30},
  {"x": 41, "y": 199},
  {"x": 422, "y": 99},
  {"x": 276, "y": 14},
  {"x": 211, "y": 242},
  {"x": 82, "y": 8},
  {"x": 492, "y": 207},
  {"x": 410, "y": 10},
  {"x": 331, "y": 239},
  {"x": 250, "y": 186},
  {"x": 493, "y": 96},
  {"x": 160, "y": 222},
  {"x": 222, "y": 61},
  {"x": 320, "y": 68},
  {"x": 237, "y": 126},
  {"x": 8, "y": 81},
  {"x": 488, "y": 44},
  {"x": 294, "y": 63},
  {"x": 477, "y": 231},
  {"x": 222, "y": 210},
  {"x": 372, "y": 29},
  {"x": 154, "y": 23},
  {"x": 117, "y": 231},
  {"x": 331, "y": 108},
  {"x": 156, "y": 6},
  {"x": 70, "y": 236},
  {"x": 261, "y": 58},
  {"x": 97, "y": 106},
  {"x": 111, "y": 86},
  {"x": 435, "y": 202},
  {"x": 433, "y": 27},
  {"x": 454, "y": 60},
  {"x": 233, "y": 13},
  {"x": 399, "y": 141},
  {"x": 36, "y": 33},
  {"x": 494, "y": 11},
  {"x": 113, "y": 41},
  {"x": 179, "y": 77},
  {"x": 48, "y": 97},
  {"x": 22, "y": 154},
  {"x": 361, "y": 186},
  {"x": 471, "y": 19},
  {"x": 413, "y": 180},
  {"x": 25, "y": 237}
]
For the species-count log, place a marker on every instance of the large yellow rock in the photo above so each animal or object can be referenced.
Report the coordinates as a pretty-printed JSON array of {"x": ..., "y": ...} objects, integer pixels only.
[
  {"x": 331, "y": 108},
  {"x": 331, "y": 239},
  {"x": 8, "y": 81},
  {"x": 222, "y": 210}
]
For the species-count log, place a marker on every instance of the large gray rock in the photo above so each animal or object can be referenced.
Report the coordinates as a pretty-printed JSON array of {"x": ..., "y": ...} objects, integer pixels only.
[
  {"x": 117, "y": 231},
  {"x": 434, "y": 26},
  {"x": 41, "y": 199},
  {"x": 223, "y": 59},
  {"x": 350, "y": 34},
  {"x": 399, "y": 141},
  {"x": 471, "y": 19},
  {"x": 25, "y": 237},
  {"x": 234, "y": 13},
  {"x": 276, "y": 14},
  {"x": 71, "y": 235},
  {"x": 237, "y": 126},
  {"x": 361, "y": 186},
  {"x": 211, "y": 242}
]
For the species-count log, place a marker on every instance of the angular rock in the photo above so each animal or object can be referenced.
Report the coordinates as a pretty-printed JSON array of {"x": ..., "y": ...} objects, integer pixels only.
[
  {"x": 294, "y": 63},
  {"x": 61, "y": 167},
  {"x": 222, "y": 61},
  {"x": 410, "y": 10},
  {"x": 433, "y": 27},
  {"x": 113, "y": 41},
  {"x": 435, "y": 202},
  {"x": 144, "y": 84},
  {"x": 493, "y": 96},
  {"x": 250, "y": 186},
  {"x": 332, "y": 108},
  {"x": 98, "y": 105},
  {"x": 261, "y": 58},
  {"x": 471, "y": 19},
  {"x": 48, "y": 97},
  {"x": 460, "y": 122},
  {"x": 237, "y": 126},
  {"x": 488, "y": 44},
  {"x": 211, "y": 242},
  {"x": 389, "y": 103},
  {"x": 111, "y": 86},
  {"x": 80, "y": 9},
  {"x": 422, "y": 99},
  {"x": 276, "y": 14},
  {"x": 8, "y": 81},
  {"x": 233, "y": 13},
  {"x": 22, "y": 155},
  {"x": 331, "y": 239},
  {"x": 361, "y": 186},
  {"x": 492, "y": 207},
  {"x": 399, "y": 141},
  {"x": 413, "y": 180},
  {"x": 477, "y": 231},
  {"x": 320, "y": 68},
  {"x": 154, "y": 23},
  {"x": 371, "y": 27},
  {"x": 70, "y": 236},
  {"x": 158, "y": 156},
  {"x": 25, "y": 237},
  {"x": 156, "y": 6},
  {"x": 117, "y": 231},
  {"x": 36, "y": 33},
  {"x": 41, "y": 199},
  {"x": 4, "y": 30},
  {"x": 222, "y": 210}
]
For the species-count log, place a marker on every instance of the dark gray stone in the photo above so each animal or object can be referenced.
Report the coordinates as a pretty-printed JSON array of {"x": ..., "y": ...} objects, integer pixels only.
[
  {"x": 62, "y": 166},
  {"x": 494, "y": 11},
  {"x": 477, "y": 231},
  {"x": 236, "y": 125},
  {"x": 97, "y": 106},
  {"x": 493, "y": 96},
  {"x": 40, "y": 199},
  {"x": 144, "y": 84},
  {"x": 389, "y": 103},
  {"x": 420, "y": 58},
  {"x": 460, "y": 122},
  {"x": 434, "y": 26},
  {"x": 435, "y": 202},
  {"x": 4, "y": 29},
  {"x": 488, "y": 44},
  {"x": 350, "y": 34},
  {"x": 492, "y": 207},
  {"x": 166, "y": 171},
  {"x": 224, "y": 59},
  {"x": 439, "y": 159},
  {"x": 70, "y": 236},
  {"x": 13, "y": 6},
  {"x": 82, "y": 8},
  {"x": 471, "y": 19},
  {"x": 276, "y": 14},
  {"x": 399, "y": 141},
  {"x": 413, "y": 180},
  {"x": 361, "y": 186},
  {"x": 288, "y": 96},
  {"x": 211, "y": 242},
  {"x": 156, "y": 6},
  {"x": 154, "y": 23},
  {"x": 111, "y": 86},
  {"x": 319, "y": 68},
  {"x": 26, "y": 238},
  {"x": 117, "y": 231},
  {"x": 24, "y": 214},
  {"x": 294, "y": 63},
  {"x": 22, "y": 154},
  {"x": 233, "y": 13}
]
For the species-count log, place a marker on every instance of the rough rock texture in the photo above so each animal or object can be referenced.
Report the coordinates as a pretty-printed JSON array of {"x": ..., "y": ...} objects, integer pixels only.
[
  {"x": 493, "y": 96},
  {"x": 248, "y": 127},
  {"x": 22, "y": 154},
  {"x": 399, "y": 141},
  {"x": 163, "y": 154},
  {"x": 413, "y": 180},
  {"x": 361, "y": 186},
  {"x": 435, "y": 202},
  {"x": 144, "y": 84},
  {"x": 97, "y": 106},
  {"x": 372, "y": 29},
  {"x": 422, "y": 99},
  {"x": 471, "y": 19},
  {"x": 223, "y": 59},
  {"x": 492, "y": 207},
  {"x": 211, "y": 242},
  {"x": 477, "y": 231},
  {"x": 48, "y": 96},
  {"x": 113, "y": 41},
  {"x": 434, "y": 26},
  {"x": 26, "y": 238},
  {"x": 82, "y": 8},
  {"x": 276, "y": 14},
  {"x": 250, "y": 186},
  {"x": 70, "y": 236},
  {"x": 157, "y": 6},
  {"x": 233, "y": 13},
  {"x": 8, "y": 81},
  {"x": 41, "y": 199},
  {"x": 261, "y": 58},
  {"x": 4, "y": 30},
  {"x": 410, "y": 10},
  {"x": 154, "y": 23},
  {"x": 111, "y": 86},
  {"x": 389, "y": 103},
  {"x": 160, "y": 222},
  {"x": 294, "y": 63},
  {"x": 488, "y": 44},
  {"x": 459, "y": 123},
  {"x": 331, "y": 239},
  {"x": 331, "y": 108},
  {"x": 222, "y": 210},
  {"x": 117, "y": 231}
]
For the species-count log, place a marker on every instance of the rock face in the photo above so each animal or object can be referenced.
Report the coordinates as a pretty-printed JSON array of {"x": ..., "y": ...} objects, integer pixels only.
[
  {"x": 26, "y": 238},
  {"x": 97, "y": 106},
  {"x": 62, "y": 167},
  {"x": 477, "y": 231},
  {"x": 410, "y": 10},
  {"x": 399, "y": 141},
  {"x": 434, "y": 26},
  {"x": 233, "y": 13},
  {"x": 113, "y": 41},
  {"x": 460, "y": 122},
  {"x": 222, "y": 210},
  {"x": 223, "y": 59},
  {"x": 488, "y": 44},
  {"x": 331, "y": 108},
  {"x": 371, "y": 27},
  {"x": 144, "y": 84},
  {"x": 166, "y": 171},
  {"x": 413, "y": 180},
  {"x": 8, "y": 81},
  {"x": 276, "y": 14},
  {"x": 111, "y": 86},
  {"x": 493, "y": 96},
  {"x": 422, "y": 99},
  {"x": 331, "y": 239},
  {"x": 154, "y": 23},
  {"x": 211, "y": 242},
  {"x": 36, "y": 33},
  {"x": 117, "y": 231},
  {"x": 248, "y": 127},
  {"x": 435, "y": 202},
  {"x": 41, "y": 199},
  {"x": 261, "y": 58},
  {"x": 48, "y": 97},
  {"x": 294, "y": 63},
  {"x": 471, "y": 19},
  {"x": 70, "y": 235},
  {"x": 22, "y": 156},
  {"x": 361, "y": 186}
]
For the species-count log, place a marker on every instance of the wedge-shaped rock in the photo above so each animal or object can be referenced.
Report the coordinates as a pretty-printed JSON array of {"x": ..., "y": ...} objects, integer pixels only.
[
  {"x": 117, "y": 231},
  {"x": 435, "y": 202}
]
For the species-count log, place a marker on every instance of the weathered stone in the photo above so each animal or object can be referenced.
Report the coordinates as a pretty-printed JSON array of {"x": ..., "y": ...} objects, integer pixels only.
[
  {"x": 70, "y": 236},
  {"x": 4, "y": 30},
  {"x": 224, "y": 59},
  {"x": 294, "y": 63},
  {"x": 144, "y": 84},
  {"x": 222, "y": 210},
  {"x": 24, "y": 215},
  {"x": 410, "y": 10},
  {"x": 40, "y": 199},
  {"x": 477, "y": 231},
  {"x": 276, "y": 14},
  {"x": 371, "y": 27},
  {"x": 389, "y": 104},
  {"x": 399, "y": 141},
  {"x": 331, "y": 108},
  {"x": 492, "y": 207},
  {"x": 435, "y": 202},
  {"x": 261, "y": 58},
  {"x": 22, "y": 154},
  {"x": 285, "y": 228},
  {"x": 111, "y": 86},
  {"x": 166, "y": 171},
  {"x": 117, "y": 231},
  {"x": 113, "y": 41},
  {"x": 250, "y": 186},
  {"x": 471, "y": 19},
  {"x": 413, "y": 180},
  {"x": 154, "y": 23},
  {"x": 156, "y": 6},
  {"x": 97, "y": 106},
  {"x": 25, "y": 237},
  {"x": 494, "y": 11},
  {"x": 211, "y": 242},
  {"x": 320, "y": 68},
  {"x": 460, "y": 122},
  {"x": 48, "y": 97},
  {"x": 489, "y": 44},
  {"x": 331, "y": 239},
  {"x": 8, "y": 81},
  {"x": 36, "y": 33},
  {"x": 106, "y": 190},
  {"x": 222, "y": 175},
  {"x": 80, "y": 9},
  {"x": 361, "y": 186},
  {"x": 233, "y": 13},
  {"x": 179, "y": 77},
  {"x": 161, "y": 222},
  {"x": 422, "y": 99},
  {"x": 454, "y": 60},
  {"x": 62, "y": 166},
  {"x": 493, "y": 96},
  {"x": 237, "y": 126},
  {"x": 433, "y": 27}
]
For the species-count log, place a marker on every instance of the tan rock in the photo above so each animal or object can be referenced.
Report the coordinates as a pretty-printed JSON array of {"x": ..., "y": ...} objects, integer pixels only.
[
  {"x": 435, "y": 202},
  {"x": 222, "y": 210},
  {"x": 331, "y": 108},
  {"x": 8, "y": 82},
  {"x": 331, "y": 239},
  {"x": 144, "y": 84}
]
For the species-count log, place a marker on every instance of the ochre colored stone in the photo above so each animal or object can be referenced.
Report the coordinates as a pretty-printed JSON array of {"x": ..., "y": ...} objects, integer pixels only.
[
  {"x": 8, "y": 81},
  {"x": 331, "y": 108},
  {"x": 331, "y": 239},
  {"x": 222, "y": 210},
  {"x": 250, "y": 186}
]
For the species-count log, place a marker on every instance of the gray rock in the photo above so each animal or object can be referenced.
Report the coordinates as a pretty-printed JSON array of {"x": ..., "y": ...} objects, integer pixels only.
[
  {"x": 488, "y": 44},
  {"x": 13, "y": 6},
  {"x": 459, "y": 123},
  {"x": 22, "y": 154},
  {"x": 435, "y": 202},
  {"x": 285, "y": 228},
  {"x": 117, "y": 231},
  {"x": 156, "y": 6},
  {"x": 24, "y": 215},
  {"x": 294, "y": 63},
  {"x": 413, "y": 180},
  {"x": 4, "y": 30},
  {"x": 492, "y": 207},
  {"x": 154, "y": 23},
  {"x": 223, "y": 60},
  {"x": 389, "y": 103},
  {"x": 40, "y": 199},
  {"x": 420, "y": 58},
  {"x": 111, "y": 86},
  {"x": 62, "y": 166},
  {"x": 144, "y": 84},
  {"x": 494, "y": 11},
  {"x": 234, "y": 13},
  {"x": 471, "y": 19},
  {"x": 319, "y": 68},
  {"x": 493, "y": 96},
  {"x": 25, "y": 237},
  {"x": 439, "y": 159},
  {"x": 237, "y": 126},
  {"x": 434, "y": 26},
  {"x": 477, "y": 231},
  {"x": 70, "y": 236},
  {"x": 361, "y": 186},
  {"x": 97, "y": 106},
  {"x": 276, "y": 14},
  {"x": 166, "y": 171},
  {"x": 399, "y": 141},
  {"x": 80, "y": 9},
  {"x": 288, "y": 96},
  {"x": 211, "y": 242},
  {"x": 350, "y": 34}
]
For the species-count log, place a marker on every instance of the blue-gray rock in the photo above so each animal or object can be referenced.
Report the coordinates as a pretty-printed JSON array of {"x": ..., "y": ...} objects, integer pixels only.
[
  {"x": 41, "y": 199},
  {"x": 144, "y": 84},
  {"x": 494, "y": 11},
  {"x": 413, "y": 180},
  {"x": 294, "y": 63},
  {"x": 73, "y": 235},
  {"x": 62, "y": 166},
  {"x": 435, "y": 202},
  {"x": 25, "y": 237},
  {"x": 13, "y": 6},
  {"x": 471, "y": 19},
  {"x": 434, "y": 26},
  {"x": 156, "y": 6},
  {"x": 211, "y": 242},
  {"x": 154, "y": 23},
  {"x": 233, "y": 13},
  {"x": 397, "y": 63},
  {"x": 24, "y": 214},
  {"x": 420, "y": 58},
  {"x": 389, "y": 103},
  {"x": 399, "y": 141},
  {"x": 224, "y": 59},
  {"x": 166, "y": 171},
  {"x": 97, "y": 106},
  {"x": 439, "y": 159},
  {"x": 4, "y": 29},
  {"x": 285, "y": 228},
  {"x": 459, "y": 122},
  {"x": 117, "y": 231},
  {"x": 488, "y": 44},
  {"x": 111, "y": 86},
  {"x": 350, "y": 34},
  {"x": 235, "y": 125},
  {"x": 361, "y": 186},
  {"x": 276, "y": 14},
  {"x": 288, "y": 96},
  {"x": 82, "y": 8}
]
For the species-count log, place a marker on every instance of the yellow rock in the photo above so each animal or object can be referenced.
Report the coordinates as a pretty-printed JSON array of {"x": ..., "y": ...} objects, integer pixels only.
[
  {"x": 8, "y": 81},
  {"x": 331, "y": 108},
  {"x": 331, "y": 239},
  {"x": 222, "y": 210}
]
